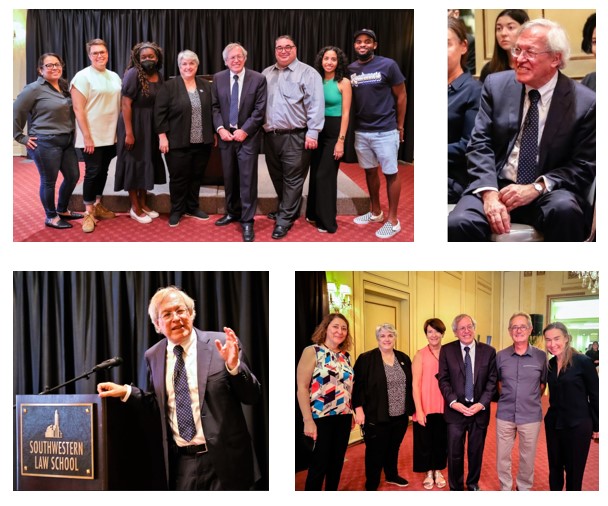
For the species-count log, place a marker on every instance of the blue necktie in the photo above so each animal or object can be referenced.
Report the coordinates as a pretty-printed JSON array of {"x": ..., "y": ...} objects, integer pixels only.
[
  {"x": 528, "y": 147},
  {"x": 183, "y": 402},
  {"x": 468, "y": 375},
  {"x": 234, "y": 103}
]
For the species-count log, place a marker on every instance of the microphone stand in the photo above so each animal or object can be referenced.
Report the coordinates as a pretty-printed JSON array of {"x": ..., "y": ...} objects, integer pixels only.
[{"x": 86, "y": 375}]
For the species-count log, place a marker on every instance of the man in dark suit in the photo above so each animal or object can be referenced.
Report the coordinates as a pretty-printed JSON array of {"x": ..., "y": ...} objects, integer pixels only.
[
  {"x": 514, "y": 176},
  {"x": 239, "y": 105},
  {"x": 197, "y": 381},
  {"x": 467, "y": 380}
]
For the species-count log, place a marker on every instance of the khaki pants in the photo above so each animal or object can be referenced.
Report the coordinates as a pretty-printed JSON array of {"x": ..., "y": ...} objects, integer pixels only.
[{"x": 505, "y": 437}]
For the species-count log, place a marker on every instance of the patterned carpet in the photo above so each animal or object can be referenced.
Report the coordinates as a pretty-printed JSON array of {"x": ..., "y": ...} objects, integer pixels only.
[
  {"x": 353, "y": 473},
  {"x": 28, "y": 218}
]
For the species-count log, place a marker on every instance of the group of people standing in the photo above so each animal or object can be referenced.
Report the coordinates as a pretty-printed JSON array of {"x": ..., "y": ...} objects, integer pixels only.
[
  {"x": 447, "y": 390},
  {"x": 302, "y": 113}
]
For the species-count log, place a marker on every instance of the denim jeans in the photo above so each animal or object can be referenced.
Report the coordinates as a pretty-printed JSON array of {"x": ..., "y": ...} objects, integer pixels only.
[
  {"x": 96, "y": 172},
  {"x": 54, "y": 154}
]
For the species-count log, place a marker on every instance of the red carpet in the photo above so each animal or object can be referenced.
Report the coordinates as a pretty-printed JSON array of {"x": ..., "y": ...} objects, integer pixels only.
[
  {"x": 353, "y": 473},
  {"x": 28, "y": 218}
]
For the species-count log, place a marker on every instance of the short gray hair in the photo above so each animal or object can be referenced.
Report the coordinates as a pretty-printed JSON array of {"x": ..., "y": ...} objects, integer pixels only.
[
  {"x": 522, "y": 314},
  {"x": 557, "y": 38},
  {"x": 456, "y": 321},
  {"x": 386, "y": 326},
  {"x": 187, "y": 54},
  {"x": 160, "y": 295},
  {"x": 230, "y": 47}
]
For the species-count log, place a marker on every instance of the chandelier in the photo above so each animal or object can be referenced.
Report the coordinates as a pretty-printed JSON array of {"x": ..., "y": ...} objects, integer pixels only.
[
  {"x": 590, "y": 280},
  {"x": 339, "y": 297}
]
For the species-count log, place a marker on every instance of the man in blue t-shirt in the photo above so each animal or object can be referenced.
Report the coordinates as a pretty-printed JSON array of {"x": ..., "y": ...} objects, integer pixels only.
[{"x": 379, "y": 100}]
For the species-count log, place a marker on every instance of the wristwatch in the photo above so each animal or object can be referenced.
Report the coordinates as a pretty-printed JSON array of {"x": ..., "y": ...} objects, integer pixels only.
[{"x": 539, "y": 188}]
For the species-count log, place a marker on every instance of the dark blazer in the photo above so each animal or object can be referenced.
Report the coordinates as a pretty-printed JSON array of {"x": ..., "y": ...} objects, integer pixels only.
[
  {"x": 370, "y": 387},
  {"x": 567, "y": 147},
  {"x": 452, "y": 375},
  {"x": 221, "y": 395},
  {"x": 173, "y": 112},
  {"x": 574, "y": 394},
  {"x": 252, "y": 104}
]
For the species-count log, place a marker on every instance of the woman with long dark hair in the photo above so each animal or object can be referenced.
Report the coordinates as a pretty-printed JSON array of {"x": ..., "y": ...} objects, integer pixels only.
[
  {"x": 321, "y": 206},
  {"x": 588, "y": 45},
  {"x": 139, "y": 165},
  {"x": 46, "y": 106},
  {"x": 572, "y": 419},
  {"x": 508, "y": 23}
]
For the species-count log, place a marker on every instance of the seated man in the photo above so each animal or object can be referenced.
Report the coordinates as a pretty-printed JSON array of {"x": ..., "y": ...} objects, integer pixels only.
[{"x": 531, "y": 158}]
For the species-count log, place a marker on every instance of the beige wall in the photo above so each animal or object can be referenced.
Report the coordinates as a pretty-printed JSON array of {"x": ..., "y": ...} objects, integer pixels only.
[
  {"x": 19, "y": 18},
  {"x": 572, "y": 20},
  {"x": 490, "y": 297}
]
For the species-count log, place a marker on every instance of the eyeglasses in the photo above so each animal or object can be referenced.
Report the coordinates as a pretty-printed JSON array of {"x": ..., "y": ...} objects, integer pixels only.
[
  {"x": 287, "y": 49},
  {"x": 237, "y": 57},
  {"x": 52, "y": 65},
  {"x": 468, "y": 327},
  {"x": 168, "y": 315},
  {"x": 530, "y": 55},
  {"x": 98, "y": 53},
  {"x": 517, "y": 328}
]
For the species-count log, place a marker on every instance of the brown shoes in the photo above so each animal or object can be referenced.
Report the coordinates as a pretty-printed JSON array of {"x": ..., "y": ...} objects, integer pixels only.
[
  {"x": 88, "y": 223},
  {"x": 102, "y": 213}
]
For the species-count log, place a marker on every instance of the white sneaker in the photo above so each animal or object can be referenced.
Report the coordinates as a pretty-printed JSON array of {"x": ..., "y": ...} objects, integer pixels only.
[
  {"x": 388, "y": 230},
  {"x": 141, "y": 219},
  {"x": 366, "y": 218}
]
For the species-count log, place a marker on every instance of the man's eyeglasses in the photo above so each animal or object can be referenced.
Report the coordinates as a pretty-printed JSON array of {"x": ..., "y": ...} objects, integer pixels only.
[
  {"x": 52, "y": 66},
  {"x": 280, "y": 49},
  {"x": 516, "y": 328},
  {"x": 168, "y": 315},
  {"x": 530, "y": 55},
  {"x": 468, "y": 327}
]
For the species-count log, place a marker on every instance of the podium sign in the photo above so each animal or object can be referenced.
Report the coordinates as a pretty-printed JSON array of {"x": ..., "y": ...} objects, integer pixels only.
[{"x": 57, "y": 440}]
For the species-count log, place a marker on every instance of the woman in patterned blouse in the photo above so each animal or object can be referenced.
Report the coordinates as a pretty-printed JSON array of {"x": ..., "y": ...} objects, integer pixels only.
[
  {"x": 382, "y": 399},
  {"x": 325, "y": 382}
]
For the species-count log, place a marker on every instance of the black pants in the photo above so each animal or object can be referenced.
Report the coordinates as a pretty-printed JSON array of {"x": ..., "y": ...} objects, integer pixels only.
[
  {"x": 457, "y": 433},
  {"x": 186, "y": 170},
  {"x": 288, "y": 164},
  {"x": 321, "y": 205},
  {"x": 192, "y": 472},
  {"x": 382, "y": 442},
  {"x": 328, "y": 455},
  {"x": 567, "y": 450},
  {"x": 96, "y": 172},
  {"x": 430, "y": 444}
]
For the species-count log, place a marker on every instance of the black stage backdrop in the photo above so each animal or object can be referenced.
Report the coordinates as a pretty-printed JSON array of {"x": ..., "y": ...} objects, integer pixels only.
[
  {"x": 207, "y": 32},
  {"x": 64, "y": 323},
  {"x": 312, "y": 304}
]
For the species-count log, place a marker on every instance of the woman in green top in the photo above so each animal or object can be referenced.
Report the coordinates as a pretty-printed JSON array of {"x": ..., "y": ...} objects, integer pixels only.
[{"x": 323, "y": 183}]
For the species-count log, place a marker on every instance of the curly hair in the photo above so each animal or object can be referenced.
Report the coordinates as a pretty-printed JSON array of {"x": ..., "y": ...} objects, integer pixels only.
[
  {"x": 320, "y": 333},
  {"x": 134, "y": 62},
  {"x": 341, "y": 67}
]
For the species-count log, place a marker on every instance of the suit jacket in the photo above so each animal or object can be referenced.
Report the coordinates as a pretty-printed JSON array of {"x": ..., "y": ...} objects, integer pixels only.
[
  {"x": 370, "y": 388},
  {"x": 221, "y": 395},
  {"x": 452, "y": 376},
  {"x": 252, "y": 105},
  {"x": 173, "y": 112},
  {"x": 567, "y": 146}
]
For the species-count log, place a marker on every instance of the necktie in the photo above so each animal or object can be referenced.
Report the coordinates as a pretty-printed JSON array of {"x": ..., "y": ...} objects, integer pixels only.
[
  {"x": 183, "y": 403},
  {"x": 234, "y": 103},
  {"x": 528, "y": 148},
  {"x": 468, "y": 375}
]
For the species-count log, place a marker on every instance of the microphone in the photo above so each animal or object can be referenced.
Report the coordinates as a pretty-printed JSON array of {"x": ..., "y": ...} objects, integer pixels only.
[{"x": 107, "y": 364}]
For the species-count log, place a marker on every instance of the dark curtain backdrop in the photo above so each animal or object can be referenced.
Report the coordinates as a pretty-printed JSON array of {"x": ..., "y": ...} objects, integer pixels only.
[
  {"x": 207, "y": 32},
  {"x": 312, "y": 305},
  {"x": 64, "y": 323}
]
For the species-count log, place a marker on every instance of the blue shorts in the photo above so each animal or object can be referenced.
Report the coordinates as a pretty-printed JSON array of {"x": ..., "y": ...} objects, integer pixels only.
[{"x": 378, "y": 148}]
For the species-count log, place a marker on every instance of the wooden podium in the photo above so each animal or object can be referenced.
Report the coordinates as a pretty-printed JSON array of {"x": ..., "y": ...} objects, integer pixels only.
[{"x": 83, "y": 442}]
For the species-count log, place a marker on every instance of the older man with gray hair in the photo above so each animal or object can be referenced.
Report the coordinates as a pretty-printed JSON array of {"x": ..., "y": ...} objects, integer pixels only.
[
  {"x": 522, "y": 376},
  {"x": 531, "y": 158}
]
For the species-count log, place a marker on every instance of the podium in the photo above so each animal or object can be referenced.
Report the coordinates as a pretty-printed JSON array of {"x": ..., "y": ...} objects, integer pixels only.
[{"x": 84, "y": 442}]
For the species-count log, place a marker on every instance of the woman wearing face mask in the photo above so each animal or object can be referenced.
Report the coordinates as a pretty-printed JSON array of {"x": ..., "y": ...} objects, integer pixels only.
[{"x": 139, "y": 165}]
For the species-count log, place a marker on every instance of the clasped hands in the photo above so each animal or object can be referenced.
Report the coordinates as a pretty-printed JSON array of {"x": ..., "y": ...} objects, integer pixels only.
[
  {"x": 498, "y": 204},
  {"x": 470, "y": 411}
]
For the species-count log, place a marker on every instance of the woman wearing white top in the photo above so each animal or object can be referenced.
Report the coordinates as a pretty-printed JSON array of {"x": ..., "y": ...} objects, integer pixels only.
[{"x": 96, "y": 99}]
